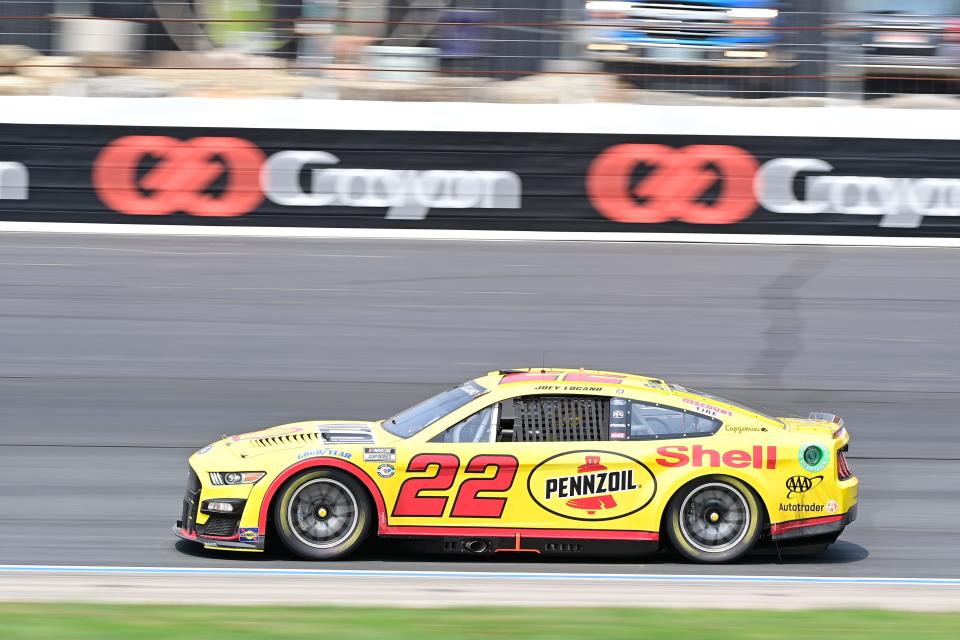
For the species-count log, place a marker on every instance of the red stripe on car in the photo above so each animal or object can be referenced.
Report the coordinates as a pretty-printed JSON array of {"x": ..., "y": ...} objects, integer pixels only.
[
  {"x": 505, "y": 532},
  {"x": 783, "y": 527}
]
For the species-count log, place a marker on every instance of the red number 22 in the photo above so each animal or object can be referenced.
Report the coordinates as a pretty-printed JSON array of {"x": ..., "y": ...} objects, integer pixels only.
[{"x": 467, "y": 504}]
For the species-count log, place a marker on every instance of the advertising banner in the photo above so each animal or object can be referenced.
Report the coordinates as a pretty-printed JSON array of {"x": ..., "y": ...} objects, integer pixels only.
[{"x": 479, "y": 180}]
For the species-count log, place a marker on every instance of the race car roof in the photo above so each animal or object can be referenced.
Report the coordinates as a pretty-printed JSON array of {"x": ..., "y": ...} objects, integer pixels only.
[
  {"x": 544, "y": 374},
  {"x": 593, "y": 376}
]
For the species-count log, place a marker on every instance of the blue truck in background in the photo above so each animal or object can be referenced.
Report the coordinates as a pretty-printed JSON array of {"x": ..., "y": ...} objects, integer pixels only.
[{"x": 714, "y": 33}]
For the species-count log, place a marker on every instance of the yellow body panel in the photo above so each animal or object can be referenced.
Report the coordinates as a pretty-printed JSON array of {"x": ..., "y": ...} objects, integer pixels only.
[{"x": 422, "y": 487}]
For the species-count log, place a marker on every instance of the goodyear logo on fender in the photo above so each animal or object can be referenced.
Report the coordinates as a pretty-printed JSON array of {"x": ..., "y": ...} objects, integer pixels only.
[{"x": 591, "y": 485}]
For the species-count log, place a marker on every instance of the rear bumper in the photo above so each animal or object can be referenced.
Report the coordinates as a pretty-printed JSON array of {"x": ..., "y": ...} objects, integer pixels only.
[{"x": 809, "y": 527}]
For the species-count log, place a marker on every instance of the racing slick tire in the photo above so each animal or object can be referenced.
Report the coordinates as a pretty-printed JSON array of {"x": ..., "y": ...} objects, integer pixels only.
[
  {"x": 714, "y": 520},
  {"x": 323, "y": 514}
]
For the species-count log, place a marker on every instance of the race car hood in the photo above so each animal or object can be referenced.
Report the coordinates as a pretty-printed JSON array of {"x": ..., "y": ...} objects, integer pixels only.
[{"x": 304, "y": 435}]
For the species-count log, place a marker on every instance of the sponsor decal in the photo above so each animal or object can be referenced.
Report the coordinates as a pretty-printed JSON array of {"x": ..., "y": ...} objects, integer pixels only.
[
  {"x": 617, "y": 414},
  {"x": 180, "y": 180},
  {"x": 379, "y": 454},
  {"x": 801, "y": 508},
  {"x": 203, "y": 450},
  {"x": 620, "y": 392},
  {"x": 618, "y": 402},
  {"x": 674, "y": 185},
  {"x": 14, "y": 181},
  {"x": 591, "y": 485},
  {"x": 707, "y": 408},
  {"x": 759, "y": 457},
  {"x": 386, "y": 471},
  {"x": 184, "y": 172},
  {"x": 832, "y": 506},
  {"x": 813, "y": 457},
  {"x": 744, "y": 429},
  {"x": 249, "y": 534},
  {"x": 328, "y": 452},
  {"x": 900, "y": 202},
  {"x": 618, "y": 430},
  {"x": 722, "y": 184},
  {"x": 472, "y": 389},
  {"x": 801, "y": 484}
]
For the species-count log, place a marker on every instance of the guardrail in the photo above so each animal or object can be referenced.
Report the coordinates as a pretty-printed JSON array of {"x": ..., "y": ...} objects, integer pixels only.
[{"x": 488, "y": 167}]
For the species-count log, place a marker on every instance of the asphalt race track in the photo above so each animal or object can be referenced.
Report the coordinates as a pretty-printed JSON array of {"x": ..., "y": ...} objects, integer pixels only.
[{"x": 121, "y": 355}]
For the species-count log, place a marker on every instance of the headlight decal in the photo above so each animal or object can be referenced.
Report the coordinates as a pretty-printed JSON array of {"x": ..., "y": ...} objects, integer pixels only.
[{"x": 228, "y": 478}]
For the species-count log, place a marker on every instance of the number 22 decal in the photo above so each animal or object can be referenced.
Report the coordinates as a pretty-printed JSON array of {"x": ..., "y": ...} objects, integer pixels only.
[{"x": 467, "y": 504}]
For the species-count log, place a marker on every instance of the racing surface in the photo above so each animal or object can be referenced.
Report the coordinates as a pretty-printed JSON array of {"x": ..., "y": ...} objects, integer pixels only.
[{"x": 122, "y": 355}]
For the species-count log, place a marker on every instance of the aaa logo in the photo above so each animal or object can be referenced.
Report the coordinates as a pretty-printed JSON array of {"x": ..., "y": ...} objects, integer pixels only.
[{"x": 801, "y": 484}]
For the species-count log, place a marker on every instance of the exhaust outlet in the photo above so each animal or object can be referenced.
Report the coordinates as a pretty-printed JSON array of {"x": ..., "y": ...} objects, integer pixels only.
[{"x": 476, "y": 546}]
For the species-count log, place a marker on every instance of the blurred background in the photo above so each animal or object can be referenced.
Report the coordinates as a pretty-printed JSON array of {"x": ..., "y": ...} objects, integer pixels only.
[
  {"x": 121, "y": 355},
  {"x": 647, "y": 51}
]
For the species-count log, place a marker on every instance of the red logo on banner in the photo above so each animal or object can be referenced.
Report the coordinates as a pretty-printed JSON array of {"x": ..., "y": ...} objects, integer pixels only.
[
  {"x": 182, "y": 177},
  {"x": 676, "y": 184}
]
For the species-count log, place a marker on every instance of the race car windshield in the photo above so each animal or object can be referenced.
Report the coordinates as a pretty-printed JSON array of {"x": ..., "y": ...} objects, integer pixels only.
[
  {"x": 419, "y": 417},
  {"x": 714, "y": 396}
]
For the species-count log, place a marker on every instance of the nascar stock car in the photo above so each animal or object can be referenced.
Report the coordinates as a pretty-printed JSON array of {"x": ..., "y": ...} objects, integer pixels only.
[{"x": 538, "y": 461}]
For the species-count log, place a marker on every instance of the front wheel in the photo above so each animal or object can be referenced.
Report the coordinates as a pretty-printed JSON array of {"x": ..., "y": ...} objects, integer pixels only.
[
  {"x": 714, "y": 520},
  {"x": 323, "y": 514}
]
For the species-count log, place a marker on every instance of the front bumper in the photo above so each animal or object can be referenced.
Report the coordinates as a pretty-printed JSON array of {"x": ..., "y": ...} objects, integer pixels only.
[
  {"x": 222, "y": 531},
  {"x": 810, "y": 527},
  {"x": 218, "y": 543}
]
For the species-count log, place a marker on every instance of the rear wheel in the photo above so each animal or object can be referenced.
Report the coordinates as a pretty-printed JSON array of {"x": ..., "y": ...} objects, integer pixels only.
[
  {"x": 323, "y": 514},
  {"x": 714, "y": 520}
]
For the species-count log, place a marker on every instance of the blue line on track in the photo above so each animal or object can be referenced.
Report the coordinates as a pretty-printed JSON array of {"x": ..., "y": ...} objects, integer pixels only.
[{"x": 471, "y": 575}]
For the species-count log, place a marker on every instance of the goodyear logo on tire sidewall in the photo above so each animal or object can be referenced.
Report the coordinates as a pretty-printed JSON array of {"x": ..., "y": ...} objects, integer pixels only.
[{"x": 591, "y": 485}]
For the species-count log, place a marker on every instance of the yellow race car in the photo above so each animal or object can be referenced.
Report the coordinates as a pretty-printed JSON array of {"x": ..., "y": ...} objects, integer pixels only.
[{"x": 532, "y": 461}]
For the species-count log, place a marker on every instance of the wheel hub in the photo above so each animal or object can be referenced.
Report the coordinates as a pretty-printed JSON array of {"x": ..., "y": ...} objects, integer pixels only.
[
  {"x": 322, "y": 513},
  {"x": 714, "y": 517}
]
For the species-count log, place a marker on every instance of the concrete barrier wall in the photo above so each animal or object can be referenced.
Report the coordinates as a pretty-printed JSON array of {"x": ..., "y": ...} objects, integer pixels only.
[{"x": 604, "y": 168}]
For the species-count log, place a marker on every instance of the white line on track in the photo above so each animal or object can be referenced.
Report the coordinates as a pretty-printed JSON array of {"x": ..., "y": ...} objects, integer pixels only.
[
  {"x": 477, "y": 575},
  {"x": 472, "y": 235}
]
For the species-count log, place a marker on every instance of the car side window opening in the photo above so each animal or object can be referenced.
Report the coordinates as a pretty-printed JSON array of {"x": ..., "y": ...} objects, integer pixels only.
[
  {"x": 476, "y": 428},
  {"x": 560, "y": 419},
  {"x": 641, "y": 421}
]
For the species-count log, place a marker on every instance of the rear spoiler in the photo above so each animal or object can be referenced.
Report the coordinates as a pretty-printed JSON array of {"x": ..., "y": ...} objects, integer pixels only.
[{"x": 830, "y": 417}]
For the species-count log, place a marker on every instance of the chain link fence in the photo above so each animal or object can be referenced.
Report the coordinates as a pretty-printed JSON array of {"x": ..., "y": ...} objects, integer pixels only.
[{"x": 674, "y": 51}]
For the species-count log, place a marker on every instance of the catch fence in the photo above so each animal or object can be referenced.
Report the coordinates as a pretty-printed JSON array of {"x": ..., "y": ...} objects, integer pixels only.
[{"x": 484, "y": 50}]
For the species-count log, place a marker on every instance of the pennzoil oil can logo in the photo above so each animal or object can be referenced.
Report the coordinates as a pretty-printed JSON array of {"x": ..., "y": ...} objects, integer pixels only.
[{"x": 591, "y": 485}]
